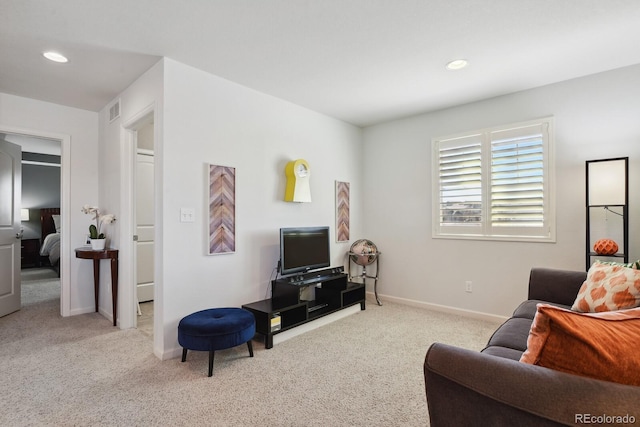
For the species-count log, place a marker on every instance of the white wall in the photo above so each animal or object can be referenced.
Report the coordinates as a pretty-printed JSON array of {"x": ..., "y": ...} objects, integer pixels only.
[
  {"x": 596, "y": 117},
  {"x": 81, "y": 128},
  {"x": 202, "y": 119},
  {"x": 210, "y": 120},
  {"x": 117, "y": 153}
]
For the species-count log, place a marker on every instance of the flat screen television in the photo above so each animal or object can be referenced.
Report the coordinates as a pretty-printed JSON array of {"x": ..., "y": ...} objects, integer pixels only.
[{"x": 303, "y": 249}]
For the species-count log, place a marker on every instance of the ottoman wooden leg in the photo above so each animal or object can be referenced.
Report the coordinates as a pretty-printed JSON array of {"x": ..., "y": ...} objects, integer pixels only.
[
  {"x": 250, "y": 348},
  {"x": 184, "y": 354},
  {"x": 211, "y": 362}
]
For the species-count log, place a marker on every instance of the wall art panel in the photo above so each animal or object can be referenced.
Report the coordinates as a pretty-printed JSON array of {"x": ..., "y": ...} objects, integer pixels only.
[
  {"x": 222, "y": 209},
  {"x": 342, "y": 211}
]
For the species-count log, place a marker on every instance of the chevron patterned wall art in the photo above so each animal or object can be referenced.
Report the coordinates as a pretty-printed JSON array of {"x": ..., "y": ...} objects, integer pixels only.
[
  {"x": 222, "y": 209},
  {"x": 342, "y": 211}
]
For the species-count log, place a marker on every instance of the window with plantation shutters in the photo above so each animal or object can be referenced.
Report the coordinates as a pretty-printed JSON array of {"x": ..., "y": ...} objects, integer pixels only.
[
  {"x": 460, "y": 175},
  {"x": 495, "y": 183}
]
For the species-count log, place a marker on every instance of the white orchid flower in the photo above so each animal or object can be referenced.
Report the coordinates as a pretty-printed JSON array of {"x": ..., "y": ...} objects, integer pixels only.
[
  {"x": 108, "y": 218},
  {"x": 88, "y": 209},
  {"x": 100, "y": 219}
]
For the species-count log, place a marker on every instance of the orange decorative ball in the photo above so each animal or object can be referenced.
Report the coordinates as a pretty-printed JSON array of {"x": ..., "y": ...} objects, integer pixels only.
[{"x": 605, "y": 247}]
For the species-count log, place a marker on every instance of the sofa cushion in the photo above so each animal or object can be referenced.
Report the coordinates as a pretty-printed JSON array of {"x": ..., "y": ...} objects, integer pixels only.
[
  {"x": 527, "y": 310},
  {"x": 504, "y": 352},
  {"x": 512, "y": 334},
  {"x": 608, "y": 287},
  {"x": 596, "y": 345}
]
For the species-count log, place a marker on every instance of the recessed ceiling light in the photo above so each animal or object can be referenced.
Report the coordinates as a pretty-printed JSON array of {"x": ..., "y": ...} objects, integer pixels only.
[
  {"x": 55, "y": 57},
  {"x": 457, "y": 64}
]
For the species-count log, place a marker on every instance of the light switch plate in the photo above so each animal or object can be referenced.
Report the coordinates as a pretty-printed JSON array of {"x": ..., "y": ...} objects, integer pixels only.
[{"x": 187, "y": 215}]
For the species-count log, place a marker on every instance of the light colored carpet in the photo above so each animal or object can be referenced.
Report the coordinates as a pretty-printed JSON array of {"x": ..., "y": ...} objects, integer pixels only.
[
  {"x": 145, "y": 320},
  {"x": 363, "y": 370},
  {"x": 42, "y": 273},
  {"x": 39, "y": 285}
]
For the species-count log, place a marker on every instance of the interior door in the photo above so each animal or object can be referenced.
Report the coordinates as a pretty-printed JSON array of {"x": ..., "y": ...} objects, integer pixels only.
[
  {"x": 144, "y": 226},
  {"x": 10, "y": 233}
]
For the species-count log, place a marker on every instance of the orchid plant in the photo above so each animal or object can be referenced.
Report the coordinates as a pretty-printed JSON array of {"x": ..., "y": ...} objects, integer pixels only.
[{"x": 95, "y": 229}]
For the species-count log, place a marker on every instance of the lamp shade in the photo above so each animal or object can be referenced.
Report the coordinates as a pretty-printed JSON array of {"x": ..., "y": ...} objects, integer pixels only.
[
  {"x": 607, "y": 183},
  {"x": 24, "y": 214}
]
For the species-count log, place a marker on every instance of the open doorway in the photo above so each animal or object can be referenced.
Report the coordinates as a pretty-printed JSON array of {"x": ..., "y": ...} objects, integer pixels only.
[
  {"x": 40, "y": 217},
  {"x": 133, "y": 131},
  {"x": 144, "y": 225}
]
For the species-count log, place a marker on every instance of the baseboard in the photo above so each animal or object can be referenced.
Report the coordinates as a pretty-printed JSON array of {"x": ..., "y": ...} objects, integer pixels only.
[
  {"x": 441, "y": 308},
  {"x": 83, "y": 310},
  {"x": 169, "y": 354},
  {"x": 298, "y": 330},
  {"x": 283, "y": 336}
]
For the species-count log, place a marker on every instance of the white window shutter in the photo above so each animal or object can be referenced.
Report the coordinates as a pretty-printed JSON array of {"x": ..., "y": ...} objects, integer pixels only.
[
  {"x": 460, "y": 181},
  {"x": 495, "y": 183},
  {"x": 517, "y": 177}
]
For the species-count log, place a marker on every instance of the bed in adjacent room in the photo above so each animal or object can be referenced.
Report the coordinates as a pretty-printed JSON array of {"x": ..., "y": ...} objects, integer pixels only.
[{"x": 50, "y": 242}]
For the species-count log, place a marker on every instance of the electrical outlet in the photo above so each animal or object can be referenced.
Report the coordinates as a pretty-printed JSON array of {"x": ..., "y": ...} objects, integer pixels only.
[{"x": 468, "y": 286}]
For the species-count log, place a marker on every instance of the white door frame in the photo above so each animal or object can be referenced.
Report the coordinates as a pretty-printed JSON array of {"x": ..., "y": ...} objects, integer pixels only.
[{"x": 65, "y": 185}]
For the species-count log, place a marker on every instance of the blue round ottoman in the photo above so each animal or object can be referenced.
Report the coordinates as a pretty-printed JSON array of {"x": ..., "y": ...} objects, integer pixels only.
[{"x": 216, "y": 329}]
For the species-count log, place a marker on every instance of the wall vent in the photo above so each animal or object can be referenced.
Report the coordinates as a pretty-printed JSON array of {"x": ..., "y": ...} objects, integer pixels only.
[{"x": 114, "y": 111}]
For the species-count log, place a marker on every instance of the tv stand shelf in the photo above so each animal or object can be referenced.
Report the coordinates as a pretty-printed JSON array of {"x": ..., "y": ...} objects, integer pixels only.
[{"x": 332, "y": 293}]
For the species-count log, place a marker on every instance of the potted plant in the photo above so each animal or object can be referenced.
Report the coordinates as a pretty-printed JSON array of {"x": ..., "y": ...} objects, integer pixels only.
[{"x": 98, "y": 238}]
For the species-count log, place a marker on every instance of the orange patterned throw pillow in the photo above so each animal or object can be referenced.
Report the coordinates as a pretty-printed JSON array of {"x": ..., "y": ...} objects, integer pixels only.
[
  {"x": 605, "y": 247},
  {"x": 595, "y": 345},
  {"x": 608, "y": 288}
]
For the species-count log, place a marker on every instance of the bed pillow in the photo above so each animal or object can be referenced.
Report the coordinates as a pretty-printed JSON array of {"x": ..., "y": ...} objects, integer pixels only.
[
  {"x": 56, "y": 222},
  {"x": 595, "y": 345},
  {"x": 608, "y": 287}
]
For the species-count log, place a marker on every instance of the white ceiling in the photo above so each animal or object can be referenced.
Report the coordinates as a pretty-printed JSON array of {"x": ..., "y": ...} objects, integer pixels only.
[{"x": 362, "y": 61}]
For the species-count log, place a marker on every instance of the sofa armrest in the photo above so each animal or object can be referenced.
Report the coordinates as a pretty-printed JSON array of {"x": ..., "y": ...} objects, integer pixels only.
[
  {"x": 466, "y": 387},
  {"x": 556, "y": 286}
]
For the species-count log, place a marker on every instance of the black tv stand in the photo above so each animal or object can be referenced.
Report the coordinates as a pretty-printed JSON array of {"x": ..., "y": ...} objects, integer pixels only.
[
  {"x": 316, "y": 307},
  {"x": 289, "y": 305}
]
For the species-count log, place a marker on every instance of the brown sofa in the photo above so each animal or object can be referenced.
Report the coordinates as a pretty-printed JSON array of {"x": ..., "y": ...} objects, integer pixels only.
[{"x": 493, "y": 388}]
